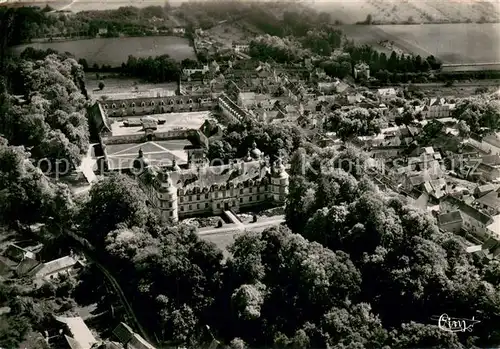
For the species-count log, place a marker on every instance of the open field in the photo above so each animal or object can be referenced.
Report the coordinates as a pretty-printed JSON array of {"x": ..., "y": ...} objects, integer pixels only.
[
  {"x": 452, "y": 43},
  {"x": 125, "y": 88},
  {"x": 114, "y": 51},
  {"x": 416, "y": 11},
  {"x": 91, "y": 5}
]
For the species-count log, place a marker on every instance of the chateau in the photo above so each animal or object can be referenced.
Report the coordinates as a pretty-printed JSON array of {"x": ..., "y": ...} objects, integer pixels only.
[{"x": 209, "y": 190}]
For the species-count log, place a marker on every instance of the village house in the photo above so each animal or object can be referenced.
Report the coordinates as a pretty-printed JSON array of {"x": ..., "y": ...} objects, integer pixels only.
[
  {"x": 437, "y": 108},
  {"x": 451, "y": 221},
  {"x": 386, "y": 94},
  {"x": 67, "y": 265},
  {"x": 102, "y": 31},
  {"x": 129, "y": 339},
  {"x": 489, "y": 202},
  {"x": 361, "y": 71},
  {"x": 179, "y": 30},
  {"x": 240, "y": 47},
  {"x": 189, "y": 72},
  {"x": 482, "y": 190},
  {"x": 76, "y": 333},
  {"x": 489, "y": 143},
  {"x": 475, "y": 221},
  {"x": 25, "y": 259}
]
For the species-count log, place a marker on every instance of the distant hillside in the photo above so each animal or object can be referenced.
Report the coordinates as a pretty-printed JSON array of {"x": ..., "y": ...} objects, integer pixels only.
[{"x": 412, "y": 11}]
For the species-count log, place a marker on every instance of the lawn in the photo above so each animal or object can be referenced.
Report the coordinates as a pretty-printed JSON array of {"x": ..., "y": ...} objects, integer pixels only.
[
  {"x": 115, "y": 51},
  {"x": 452, "y": 43}
]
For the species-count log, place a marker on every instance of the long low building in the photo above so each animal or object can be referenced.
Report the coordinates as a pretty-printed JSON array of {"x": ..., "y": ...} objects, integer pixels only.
[{"x": 157, "y": 105}]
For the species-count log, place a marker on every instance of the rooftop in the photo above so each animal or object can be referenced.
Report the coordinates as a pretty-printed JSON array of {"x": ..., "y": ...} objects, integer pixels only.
[
  {"x": 79, "y": 330},
  {"x": 55, "y": 265},
  {"x": 123, "y": 333},
  {"x": 495, "y": 226},
  {"x": 490, "y": 200},
  {"x": 450, "y": 217},
  {"x": 469, "y": 210}
]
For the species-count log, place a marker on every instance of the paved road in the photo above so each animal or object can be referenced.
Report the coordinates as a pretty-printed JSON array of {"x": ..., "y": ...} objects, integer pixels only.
[
  {"x": 224, "y": 237},
  {"x": 264, "y": 223}
]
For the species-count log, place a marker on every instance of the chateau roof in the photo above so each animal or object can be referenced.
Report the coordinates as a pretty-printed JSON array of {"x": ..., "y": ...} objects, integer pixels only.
[{"x": 210, "y": 176}]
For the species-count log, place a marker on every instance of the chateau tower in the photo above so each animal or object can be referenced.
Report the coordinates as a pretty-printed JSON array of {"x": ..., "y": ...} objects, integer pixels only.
[
  {"x": 279, "y": 182},
  {"x": 167, "y": 198},
  {"x": 255, "y": 153},
  {"x": 175, "y": 167},
  {"x": 140, "y": 163}
]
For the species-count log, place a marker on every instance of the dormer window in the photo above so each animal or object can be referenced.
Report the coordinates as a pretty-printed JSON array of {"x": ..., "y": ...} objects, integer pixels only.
[
  {"x": 132, "y": 105},
  {"x": 143, "y": 104},
  {"x": 152, "y": 103},
  {"x": 113, "y": 106},
  {"x": 124, "y": 105},
  {"x": 162, "y": 103}
]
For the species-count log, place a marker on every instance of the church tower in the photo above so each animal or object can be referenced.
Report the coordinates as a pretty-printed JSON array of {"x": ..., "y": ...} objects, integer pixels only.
[
  {"x": 167, "y": 197},
  {"x": 279, "y": 182}
]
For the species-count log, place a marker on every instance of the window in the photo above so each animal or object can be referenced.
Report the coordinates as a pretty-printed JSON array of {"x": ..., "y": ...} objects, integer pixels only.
[
  {"x": 218, "y": 205},
  {"x": 258, "y": 197},
  {"x": 206, "y": 196},
  {"x": 197, "y": 197},
  {"x": 241, "y": 191},
  {"x": 198, "y": 206},
  {"x": 190, "y": 207},
  {"x": 241, "y": 200},
  {"x": 250, "y": 189},
  {"x": 190, "y": 198},
  {"x": 206, "y": 205},
  {"x": 170, "y": 214},
  {"x": 182, "y": 208},
  {"x": 250, "y": 198},
  {"x": 182, "y": 199}
]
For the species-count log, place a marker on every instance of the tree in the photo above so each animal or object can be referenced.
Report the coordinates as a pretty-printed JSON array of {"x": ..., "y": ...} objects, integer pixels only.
[
  {"x": 114, "y": 200},
  {"x": 25, "y": 190},
  {"x": 463, "y": 129},
  {"x": 101, "y": 85}
]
